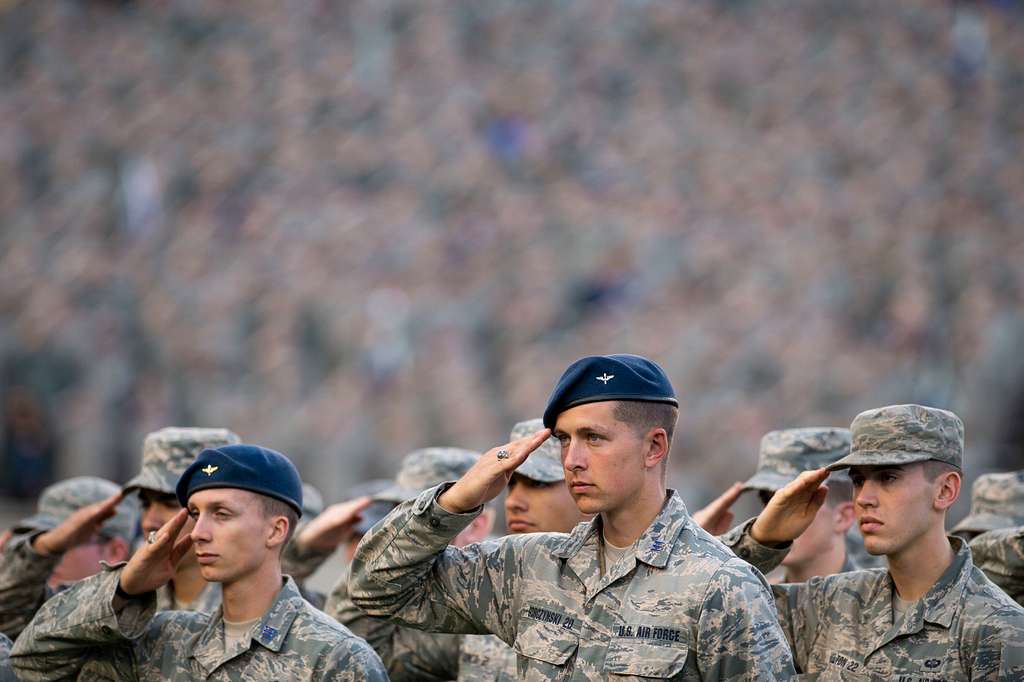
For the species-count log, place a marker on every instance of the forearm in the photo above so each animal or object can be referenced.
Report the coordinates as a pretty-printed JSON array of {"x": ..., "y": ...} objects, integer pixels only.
[
  {"x": 395, "y": 570},
  {"x": 24, "y": 573},
  {"x": 299, "y": 562},
  {"x": 762, "y": 557},
  {"x": 77, "y": 624}
]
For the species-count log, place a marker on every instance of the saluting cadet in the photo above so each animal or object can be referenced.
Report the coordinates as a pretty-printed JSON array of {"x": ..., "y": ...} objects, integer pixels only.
[
  {"x": 537, "y": 500},
  {"x": 640, "y": 591},
  {"x": 244, "y": 502},
  {"x": 411, "y": 654},
  {"x": 79, "y": 522},
  {"x": 165, "y": 456},
  {"x": 931, "y": 614}
]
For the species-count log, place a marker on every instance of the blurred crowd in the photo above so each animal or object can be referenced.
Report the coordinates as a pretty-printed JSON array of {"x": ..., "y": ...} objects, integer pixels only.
[{"x": 350, "y": 229}]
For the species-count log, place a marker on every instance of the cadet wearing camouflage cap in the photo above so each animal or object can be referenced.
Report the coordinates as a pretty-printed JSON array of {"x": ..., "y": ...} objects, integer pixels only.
[
  {"x": 79, "y": 522},
  {"x": 411, "y": 654},
  {"x": 244, "y": 502},
  {"x": 639, "y": 591},
  {"x": 165, "y": 456},
  {"x": 1000, "y": 554},
  {"x": 932, "y": 614},
  {"x": 997, "y": 501},
  {"x": 823, "y": 548},
  {"x": 537, "y": 501}
]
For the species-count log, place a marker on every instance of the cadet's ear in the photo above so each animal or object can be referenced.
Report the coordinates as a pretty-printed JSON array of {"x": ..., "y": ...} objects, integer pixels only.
[
  {"x": 116, "y": 550},
  {"x": 478, "y": 530},
  {"x": 844, "y": 517},
  {"x": 657, "y": 447},
  {"x": 947, "y": 489},
  {"x": 278, "y": 531}
]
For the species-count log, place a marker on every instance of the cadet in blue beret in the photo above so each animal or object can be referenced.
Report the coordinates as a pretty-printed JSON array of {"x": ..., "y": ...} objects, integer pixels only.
[
  {"x": 241, "y": 506},
  {"x": 639, "y": 591}
]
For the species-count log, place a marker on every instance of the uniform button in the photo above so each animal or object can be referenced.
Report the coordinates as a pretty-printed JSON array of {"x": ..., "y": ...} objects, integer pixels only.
[
  {"x": 434, "y": 522},
  {"x": 106, "y": 629}
]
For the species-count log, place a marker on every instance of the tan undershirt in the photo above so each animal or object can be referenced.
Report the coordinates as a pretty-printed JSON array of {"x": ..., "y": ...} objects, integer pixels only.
[
  {"x": 900, "y": 607},
  {"x": 613, "y": 554},
  {"x": 238, "y": 633}
]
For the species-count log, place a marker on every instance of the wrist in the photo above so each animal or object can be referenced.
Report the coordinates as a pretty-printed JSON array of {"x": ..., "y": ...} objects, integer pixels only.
[{"x": 41, "y": 545}]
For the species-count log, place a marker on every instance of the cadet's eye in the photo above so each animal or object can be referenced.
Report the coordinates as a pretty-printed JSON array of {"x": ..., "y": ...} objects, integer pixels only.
[
  {"x": 193, "y": 513},
  {"x": 593, "y": 438},
  {"x": 563, "y": 441}
]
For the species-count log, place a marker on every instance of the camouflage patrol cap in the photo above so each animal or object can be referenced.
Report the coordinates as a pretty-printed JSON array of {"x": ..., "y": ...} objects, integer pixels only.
[
  {"x": 168, "y": 452},
  {"x": 60, "y": 500},
  {"x": 545, "y": 463},
  {"x": 425, "y": 468},
  {"x": 997, "y": 501},
  {"x": 788, "y": 453},
  {"x": 903, "y": 434}
]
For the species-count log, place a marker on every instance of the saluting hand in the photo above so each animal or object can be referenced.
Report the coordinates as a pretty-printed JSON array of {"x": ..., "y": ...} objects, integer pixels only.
[
  {"x": 791, "y": 509},
  {"x": 78, "y": 528},
  {"x": 332, "y": 527},
  {"x": 153, "y": 564},
  {"x": 717, "y": 517},
  {"x": 490, "y": 475}
]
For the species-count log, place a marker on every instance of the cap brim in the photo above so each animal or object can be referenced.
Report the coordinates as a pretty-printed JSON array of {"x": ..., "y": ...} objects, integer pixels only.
[
  {"x": 539, "y": 472},
  {"x": 395, "y": 494},
  {"x": 42, "y": 522},
  {"x": 984, "y": 522},
  {"x": 148, "y": 480},
  {"x": 874, "y": 459},
  {"x": 767, "y": 481}
]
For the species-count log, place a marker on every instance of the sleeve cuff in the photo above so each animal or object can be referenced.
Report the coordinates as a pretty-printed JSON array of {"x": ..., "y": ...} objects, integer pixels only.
[{"x": 764, "y": 558}]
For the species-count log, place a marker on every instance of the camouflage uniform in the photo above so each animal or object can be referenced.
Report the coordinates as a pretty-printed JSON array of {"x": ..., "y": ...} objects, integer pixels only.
[
  {"x": 165, "y": 456},
  {"x": 997, "y": 501},
  {"x": 1000, "y": 554},
  {"x": 786, "y": 454},
  {"x": 682, "y": 607},
  {"x": 78, "y": 633},
  {"x": 844, "y": 627},
  {"x": 409, "y": 654},
  {"x": 486, "y": 657},
  {"x": 24, "y": 572},
  {"x": 6, "y": 672},
  {"x": 301, "y": 565}
]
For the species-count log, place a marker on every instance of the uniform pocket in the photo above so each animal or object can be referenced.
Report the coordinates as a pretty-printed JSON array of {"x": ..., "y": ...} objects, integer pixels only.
[
  {"x": 546, "y": 642},
  {"x": 655, "y": 661}
]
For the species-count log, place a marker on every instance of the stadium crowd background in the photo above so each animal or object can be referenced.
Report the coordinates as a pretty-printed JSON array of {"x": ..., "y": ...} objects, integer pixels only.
[{"x": 349, "y": 229}]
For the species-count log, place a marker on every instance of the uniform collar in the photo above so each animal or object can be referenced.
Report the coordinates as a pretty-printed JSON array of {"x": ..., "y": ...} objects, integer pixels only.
[
  {"x": 653, "y": 547},
  {"x": 937, "y": 606},
  {"x": 270, "y": 631}
]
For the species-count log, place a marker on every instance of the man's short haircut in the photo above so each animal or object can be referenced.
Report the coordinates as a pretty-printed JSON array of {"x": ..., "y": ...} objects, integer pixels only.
[
  {"x": 273, "y": 507},
  {"x": 839, "y": 490},
  {"x": 644, "y": 416},
  {"x": 933, "y": 468}
]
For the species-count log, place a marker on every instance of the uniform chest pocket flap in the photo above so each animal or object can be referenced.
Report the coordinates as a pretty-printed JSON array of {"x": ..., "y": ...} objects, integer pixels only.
[
  {"x": 547, "y": 642},
  {"x": 657, "y": 661}
]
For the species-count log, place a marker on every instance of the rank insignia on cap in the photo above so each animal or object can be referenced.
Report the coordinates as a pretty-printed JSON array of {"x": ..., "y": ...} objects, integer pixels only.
[
  {"x": 209, "y": 469},
  {"x": 606, "y": 377}
]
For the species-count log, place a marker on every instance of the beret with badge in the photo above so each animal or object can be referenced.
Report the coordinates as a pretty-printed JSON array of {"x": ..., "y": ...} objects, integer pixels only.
[
  {"x": 598, "y": 378},
  {"x": 246, "y": 467}
]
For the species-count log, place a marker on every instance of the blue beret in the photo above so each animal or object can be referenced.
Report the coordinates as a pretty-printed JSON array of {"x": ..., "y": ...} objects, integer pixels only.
[
  {"x": 248, "y": 467},
  {"x": 597, "y": 378}
]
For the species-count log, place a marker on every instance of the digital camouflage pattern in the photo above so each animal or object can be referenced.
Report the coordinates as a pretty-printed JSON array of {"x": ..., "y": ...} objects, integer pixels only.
[
  {"x": 23, "y": 576},
  {"x": 841, "y": 627},
  {"x": 1000, "y": 554},
  {"x": 680, "y": 607},
  {"x": 168, "y": 452},
  {"x": 997, "y": 501},
  {"x": 425, "y": 468},
  {"x": 786, "y": 454},
  {"x": 903, "y": 434},
  {"x": 408, "y": 654},
  {"x": 79, "y": 633},
  {"x": 486, "y": 657},
  {"x": 58, "y": 501},
  {"x": 6, "y": 672},
  {"x": 545, "y": 463}
]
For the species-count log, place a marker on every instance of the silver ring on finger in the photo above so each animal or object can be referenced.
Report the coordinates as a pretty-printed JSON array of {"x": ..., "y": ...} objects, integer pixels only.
[
  {"x": 151, "y": 538},
  {"x": 503, "y": 454}
]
